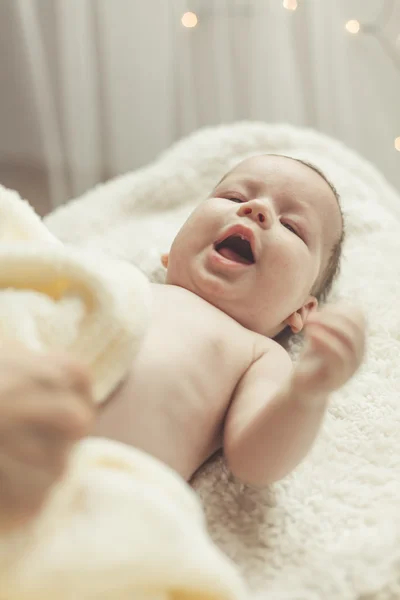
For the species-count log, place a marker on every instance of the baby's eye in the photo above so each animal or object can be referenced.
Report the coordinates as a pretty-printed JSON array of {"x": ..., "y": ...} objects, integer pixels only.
[
  {"x": 292, "y": 229},
  {"x": 231, "y": 195}
]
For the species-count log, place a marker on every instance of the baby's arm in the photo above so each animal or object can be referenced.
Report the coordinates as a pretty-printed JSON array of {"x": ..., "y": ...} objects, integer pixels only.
[
  {"x": 45, "y": 406},
  {"x": 276, "y": 412}
]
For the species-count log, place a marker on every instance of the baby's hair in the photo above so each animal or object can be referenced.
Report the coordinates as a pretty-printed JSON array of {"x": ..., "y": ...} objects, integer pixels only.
[{"x": 326, "y": 279}]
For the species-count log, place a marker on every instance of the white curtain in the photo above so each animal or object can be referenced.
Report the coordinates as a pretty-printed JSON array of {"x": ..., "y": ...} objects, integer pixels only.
[{"x": 94, "y": 88}]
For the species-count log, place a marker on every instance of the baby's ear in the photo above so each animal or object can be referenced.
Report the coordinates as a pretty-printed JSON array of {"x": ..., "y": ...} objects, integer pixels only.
[
  {"x": 164, "y": 260},
  {"x": 298, "y": 319}
]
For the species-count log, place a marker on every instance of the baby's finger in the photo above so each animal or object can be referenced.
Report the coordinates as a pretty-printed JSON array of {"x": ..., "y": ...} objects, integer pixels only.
[
  {"x": 339, "y": 326},
  {"x": 352, "y": 316},
  {"x": 333, "y": 351}
]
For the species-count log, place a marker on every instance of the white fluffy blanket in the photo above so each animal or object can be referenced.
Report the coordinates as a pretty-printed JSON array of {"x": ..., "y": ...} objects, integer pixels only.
[
  {"x": 120, "y": 525},
  {"x": 332, "y": 529}
]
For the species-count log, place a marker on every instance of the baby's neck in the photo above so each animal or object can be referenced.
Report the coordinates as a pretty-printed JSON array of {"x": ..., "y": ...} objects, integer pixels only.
[{"x": 281, "y": 337}]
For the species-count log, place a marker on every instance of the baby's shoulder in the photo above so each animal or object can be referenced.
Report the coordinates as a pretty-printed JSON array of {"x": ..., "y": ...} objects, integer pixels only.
[{"x": 267, "y": 349}]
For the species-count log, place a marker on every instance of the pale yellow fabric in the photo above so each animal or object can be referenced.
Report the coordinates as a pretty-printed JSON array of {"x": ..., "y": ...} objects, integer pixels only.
[
  {"x": 120, "y": 525},
  {"x": 53, "y": 296}
]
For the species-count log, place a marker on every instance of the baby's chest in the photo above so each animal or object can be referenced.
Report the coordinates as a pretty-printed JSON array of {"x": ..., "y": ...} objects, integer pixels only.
[
  {"x": 198, "y": 361},
  {"x": 179, "y": 387}
]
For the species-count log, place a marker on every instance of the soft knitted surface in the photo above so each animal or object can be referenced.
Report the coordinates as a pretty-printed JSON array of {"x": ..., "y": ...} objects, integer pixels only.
[
  {"x": 120, "y": 524},
  {"x": 55, "y": 297},
  {"x": 331, "y": 529}
]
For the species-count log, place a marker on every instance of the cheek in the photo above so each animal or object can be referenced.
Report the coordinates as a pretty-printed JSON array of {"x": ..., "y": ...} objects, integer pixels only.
[
  {"x": 188, "y": 242},
  {"x": 289, "y": 268},
  {"x": 199, "y": 228},
  {"x": 287, "y": 253},
  {"x": 187, "y": 239}
]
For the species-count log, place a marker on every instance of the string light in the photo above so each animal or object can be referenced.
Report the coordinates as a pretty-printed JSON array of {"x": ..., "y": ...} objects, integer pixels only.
[
  {"x": 376, "y": 28},
  {"x": 290, "y": 4},
  {"x": 353, "y": 26},
  {"x": 189, "y": 19}
]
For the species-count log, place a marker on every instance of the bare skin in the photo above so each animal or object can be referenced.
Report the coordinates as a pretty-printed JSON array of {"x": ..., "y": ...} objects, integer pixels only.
[
  {"x": 196, "y": 394},
  {"x": 209, "y": 373},
  {"x": 185, "y": 373},
  {"x": 208, "y": 368}
]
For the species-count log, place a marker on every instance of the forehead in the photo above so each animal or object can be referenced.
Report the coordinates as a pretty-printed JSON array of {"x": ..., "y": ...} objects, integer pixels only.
[{"x": 285, "y": 178}]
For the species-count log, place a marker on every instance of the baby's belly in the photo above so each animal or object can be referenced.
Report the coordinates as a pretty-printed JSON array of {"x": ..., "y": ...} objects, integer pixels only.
[{"x": 176, "y": 424}]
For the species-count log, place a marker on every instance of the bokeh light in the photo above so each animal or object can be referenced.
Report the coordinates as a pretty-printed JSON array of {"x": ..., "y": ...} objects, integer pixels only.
[
  {"x": 290, "y": 4},
  {"x": 353, "y": 26},
  {"x": 189, "y": 19}
]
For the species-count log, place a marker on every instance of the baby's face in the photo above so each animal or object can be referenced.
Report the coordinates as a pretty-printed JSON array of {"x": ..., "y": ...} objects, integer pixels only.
[{"x": 256, "y": 246}]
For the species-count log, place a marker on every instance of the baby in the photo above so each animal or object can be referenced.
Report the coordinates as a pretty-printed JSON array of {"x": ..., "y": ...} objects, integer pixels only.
[{"x": 252, "y": 261}]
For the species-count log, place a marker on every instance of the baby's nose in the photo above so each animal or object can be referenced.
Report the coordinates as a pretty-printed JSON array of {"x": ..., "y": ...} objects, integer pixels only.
[{"x": 256, "y": 210}]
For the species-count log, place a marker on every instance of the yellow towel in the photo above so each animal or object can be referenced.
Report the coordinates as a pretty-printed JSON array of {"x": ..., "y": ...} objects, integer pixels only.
[
  {"x": 54, "y": 296},
  {"x": 120, "y": 525}
]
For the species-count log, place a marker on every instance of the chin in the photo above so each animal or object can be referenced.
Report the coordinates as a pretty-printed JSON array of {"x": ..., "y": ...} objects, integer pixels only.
[
  {"x": 198, "y": 280},
  {"x": 213, "y": 291}
]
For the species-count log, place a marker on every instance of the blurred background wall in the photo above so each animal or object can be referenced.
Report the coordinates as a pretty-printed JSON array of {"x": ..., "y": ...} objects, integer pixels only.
[{"x": 93, "y": 88}]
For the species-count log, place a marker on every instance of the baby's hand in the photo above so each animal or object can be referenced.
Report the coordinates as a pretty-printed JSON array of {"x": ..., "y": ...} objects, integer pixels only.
[
  {"x": 45, "y": 406},
  {"x": 335, "y": 346}
]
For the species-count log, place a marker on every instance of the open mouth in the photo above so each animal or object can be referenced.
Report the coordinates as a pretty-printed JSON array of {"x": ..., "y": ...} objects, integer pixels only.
[{"x": 236, "y": 248}]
